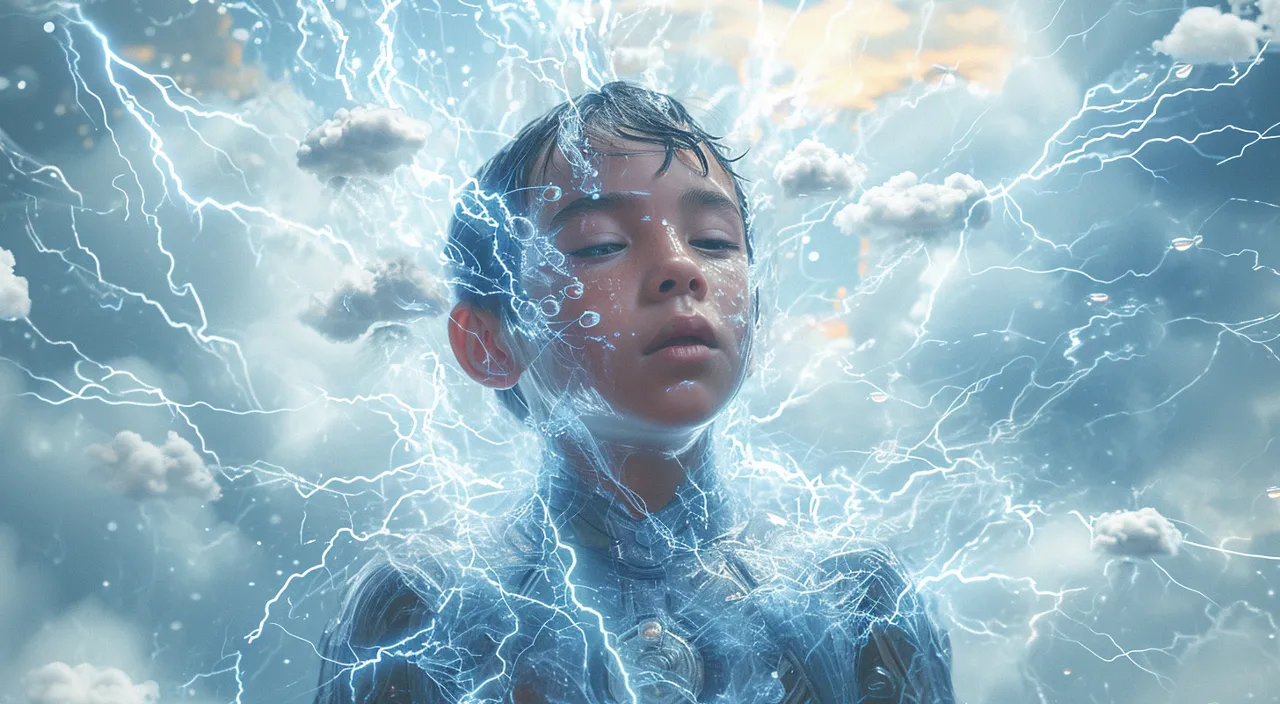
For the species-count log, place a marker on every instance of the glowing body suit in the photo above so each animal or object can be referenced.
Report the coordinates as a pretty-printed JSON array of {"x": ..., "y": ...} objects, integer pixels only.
[{"x": 700, "y": 608}]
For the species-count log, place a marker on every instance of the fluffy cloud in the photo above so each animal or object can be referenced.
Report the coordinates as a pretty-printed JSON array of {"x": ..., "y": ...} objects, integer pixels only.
[
  {"x": 813, "y": 167},
  {"x": 15, "y": 302},
  {"x": 904, "y": 206},
  {"x": 392, "y": 291},
  {"x": 1141, "y": 533},
  {"x": 1205, "y": 35},
  {"x": 363, "y": 141},
  {"x": 59, "y": 683},
  {"x": 140, "y": 469}
]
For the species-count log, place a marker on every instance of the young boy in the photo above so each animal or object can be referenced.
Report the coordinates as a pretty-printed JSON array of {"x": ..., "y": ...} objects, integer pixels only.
[{"x": 603, "y": 268}]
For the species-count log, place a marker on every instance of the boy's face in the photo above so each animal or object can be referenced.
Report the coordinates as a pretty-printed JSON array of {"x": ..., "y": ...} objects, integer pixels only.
[{"x": 662, "y": 261}]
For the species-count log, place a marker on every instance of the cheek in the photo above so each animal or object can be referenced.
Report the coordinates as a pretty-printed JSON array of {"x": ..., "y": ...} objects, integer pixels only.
[
  {"x": 598, "y": 295},
  {"x": 730, "y": 295}
]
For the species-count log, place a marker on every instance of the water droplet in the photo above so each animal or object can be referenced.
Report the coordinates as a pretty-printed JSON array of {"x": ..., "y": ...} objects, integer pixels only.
[
  {"x": 552, "y": 193},
  {"x": 523, "y": 229},
  {"x": 527, "y": 312},
  {"x": 589, "y": 319},
  {"x": 574, "y": 290},
  {"x": 1099, "y": 297}
]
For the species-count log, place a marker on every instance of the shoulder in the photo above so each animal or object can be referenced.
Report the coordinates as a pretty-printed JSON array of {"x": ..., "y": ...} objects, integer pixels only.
[
  {"x": 867, "y": 576},
  {"x": 899, "y": 651},
  {"x": 389, "y": 596},
  {"x": 381, "y": 645}
]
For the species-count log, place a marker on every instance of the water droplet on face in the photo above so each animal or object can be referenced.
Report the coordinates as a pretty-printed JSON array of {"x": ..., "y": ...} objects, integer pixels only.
[
  {"x": 523, "y": 229},
  {"x": 552, "y": 193},
  {"x": 550, "y": 307},
  {"x": 589, "y": 319},
  {"x": 574, "y": 290},
  {"x": 527, "y": 312}
]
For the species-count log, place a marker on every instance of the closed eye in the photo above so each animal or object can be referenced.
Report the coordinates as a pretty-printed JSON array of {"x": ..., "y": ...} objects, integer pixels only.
[
  {"x": 598, "y": 250},
  {"x": 715, "y": 244}
]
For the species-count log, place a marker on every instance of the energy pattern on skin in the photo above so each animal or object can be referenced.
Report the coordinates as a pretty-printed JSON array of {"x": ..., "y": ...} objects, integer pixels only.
[{"x": 1018, "y": 269}]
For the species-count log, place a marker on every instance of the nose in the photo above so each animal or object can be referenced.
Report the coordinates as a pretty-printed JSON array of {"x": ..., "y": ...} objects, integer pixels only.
[{"x": 675, "y": 272}]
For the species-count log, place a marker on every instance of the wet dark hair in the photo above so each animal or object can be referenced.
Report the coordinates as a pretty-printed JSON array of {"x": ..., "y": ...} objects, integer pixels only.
[{"x": 489, "y": 224}]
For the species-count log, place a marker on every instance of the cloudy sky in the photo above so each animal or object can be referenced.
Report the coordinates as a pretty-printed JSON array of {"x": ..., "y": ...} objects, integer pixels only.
[{"x": 1019, "y": 259}]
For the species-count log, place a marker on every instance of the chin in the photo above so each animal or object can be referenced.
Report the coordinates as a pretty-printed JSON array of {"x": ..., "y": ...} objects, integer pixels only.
[
  {"x": 671, "y": 420},
  {"x": 682, "y": 407}
]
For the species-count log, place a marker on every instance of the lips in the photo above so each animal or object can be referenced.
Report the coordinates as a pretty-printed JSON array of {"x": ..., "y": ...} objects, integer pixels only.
[{"x": 683, "y": 332}]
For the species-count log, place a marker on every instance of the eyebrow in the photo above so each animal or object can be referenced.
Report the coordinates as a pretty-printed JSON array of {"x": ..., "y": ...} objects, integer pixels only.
[{"x": 692, "y": 199}]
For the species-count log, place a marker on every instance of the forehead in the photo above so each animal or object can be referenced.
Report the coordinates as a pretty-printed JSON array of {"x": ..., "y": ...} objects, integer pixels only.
[{"x": 630, "y": 167}]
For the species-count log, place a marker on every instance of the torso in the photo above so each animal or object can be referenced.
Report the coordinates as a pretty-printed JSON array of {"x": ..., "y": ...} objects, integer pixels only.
[{"x": 576, "y": 602}]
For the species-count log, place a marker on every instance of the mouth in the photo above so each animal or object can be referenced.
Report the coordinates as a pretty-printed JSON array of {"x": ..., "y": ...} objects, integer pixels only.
[{"x": 680, "y": 333}]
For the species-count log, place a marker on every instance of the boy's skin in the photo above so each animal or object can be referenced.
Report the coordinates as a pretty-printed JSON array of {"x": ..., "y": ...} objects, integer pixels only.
[{"x": 653, "y": 253}]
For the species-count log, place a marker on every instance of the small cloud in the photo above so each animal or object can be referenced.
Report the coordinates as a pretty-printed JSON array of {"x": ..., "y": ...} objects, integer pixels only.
[
  {"x": 396, "y": 291},
  {"x": 1205, "y": 35},
  {"x": 1141, "y": 533},
  {"x": 904, "y": 206},
  {"x": 139, "y": 469},
  {"x": 15, "y": 302},
  {"x": 59, "y": 683},
  {"x": 813, "y": 167},
  {"x": 363, "y": 141}
]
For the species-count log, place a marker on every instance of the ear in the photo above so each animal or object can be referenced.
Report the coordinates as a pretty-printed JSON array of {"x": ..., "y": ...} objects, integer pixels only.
[{"x": 480, "y": 346}]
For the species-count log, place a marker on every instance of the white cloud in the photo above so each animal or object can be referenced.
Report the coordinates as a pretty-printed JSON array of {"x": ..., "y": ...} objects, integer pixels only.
[
  {"x": 140, "y": 469},
  {"x": 813, "y": 167},
  {"x": 363, "y": 141},
  {"x": 59, "y": 683},
  {"x": 15, "y": 302},
  {"x": 86, "y": 632},
  {"x": 1205, "y": 35},
  {"x": 904, "y": 206},
  {"x": 391, "y": 291},
  {"x": 1141, "y": 533}
]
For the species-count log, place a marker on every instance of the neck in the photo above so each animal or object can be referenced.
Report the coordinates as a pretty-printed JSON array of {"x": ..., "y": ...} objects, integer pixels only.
[{"x": 644, "y": 479}]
